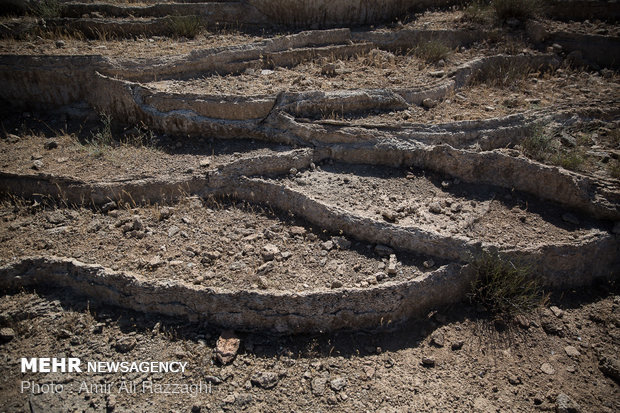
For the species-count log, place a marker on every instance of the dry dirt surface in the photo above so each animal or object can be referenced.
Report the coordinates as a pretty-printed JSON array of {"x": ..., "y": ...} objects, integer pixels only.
[
  {"x": 455, "y": 359},
  {"x": 294, "y": 215}
]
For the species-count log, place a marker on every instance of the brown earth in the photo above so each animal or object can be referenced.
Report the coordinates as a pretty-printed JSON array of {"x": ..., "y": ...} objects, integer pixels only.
[
  {"x": 459, "y": 358},
  {"x": 479, "y": 365},
  {"x": 233, "y": 246}
]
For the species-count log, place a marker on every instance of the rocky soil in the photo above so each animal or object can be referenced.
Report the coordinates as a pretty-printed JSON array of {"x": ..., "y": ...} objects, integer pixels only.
[
  {"x": 296, "y": 161},
  {"x": 561, "y": 358}
]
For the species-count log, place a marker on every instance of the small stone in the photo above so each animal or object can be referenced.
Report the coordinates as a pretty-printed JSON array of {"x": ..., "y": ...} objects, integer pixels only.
[
  {"x": 556, "y": 311},
  {"x": 483, "y": 405},
  {"x": 227, "y": 347},
  {"x": 327, "y": 245},
  {"x": 429, "y": 103},
  {"x": 125, "y": 345},
  {"x": 429, "y": 263},
  {"x": 571, "y": 351},
  {"x": 570, "y": 218},
  {"x": 155, "y": 262},
  {"x": 137, "y": 223},
  {"x": 428, "y": 361},
  {"x": 265, "y": 380},
  {"x": 336, "y": 284},
  {"x": 205, "y": 163},
  {"x": 380, "y": 276},
  {"x": 383, "y": 250},
  {"x": 318, "y": 386},
  {"x": 437, "y": 73},
  {"x": 237, "y": 265},
  {"x": 369, "y": 372},
  {"x": 212, "y": 255},
  {"x": 6, "y": 334},
  {"x": 437, "y": 339},
  {"x": 342, "y": 243},
  {"x": 37, "y": 165},
  {"x": 55, "y": 217},
  {"x": 564, "y": 404},
  {"x": 435, "y": 208},
  {"x": 165, "y": 213},
  {"x": 391, "y": 269},
  {"x": 269, "y": 252},
  {"x": 109, "y": 206},
  {"x": 338, "y": 383},
  {"x": 457, "y": 345},
  {"x": 547, "y": 368},
  {"x": 328, "y": 69},
  {"x": 286, "y": 255},
  {"x": 522, "y": 321},
  {"x": 389, "y": 216},
  {"x": 265, "y": 268},
  {"x": 50, "y": 144},
  {"x": 266, "y": 72},
  {"x": 514, "y": 380},
  {"x": 12, "y": 138},
  {"x": 173, "y": 230},
  {"x": 297, "y": 231},
  {"x": 60, "y": 44}
]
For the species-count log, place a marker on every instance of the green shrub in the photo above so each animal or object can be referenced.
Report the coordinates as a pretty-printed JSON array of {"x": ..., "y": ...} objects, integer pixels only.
[
  {"x": 537, "y": 144},
  {"x": 431, "y": 51},
  {"x": 502, "y": 74},
  {"x": 185, "y": 26},
  {"x": 569, "y": 160},
  {"x": 502, "y": 287},
  {"x": 46, "y": 8}
]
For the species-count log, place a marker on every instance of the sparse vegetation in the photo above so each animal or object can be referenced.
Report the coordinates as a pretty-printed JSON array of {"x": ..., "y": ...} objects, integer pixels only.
[
  {"x": 304, "y": 13},
  {"x": 484, "y": 12},
  {"x": 46, "y": 8},
  {"x": 185, "y": 26},
  {"x": 568, "y": 159},
  {"x": 543, "y": 147},
  {"x": 103, "y": 137},
  {"x": 504, "y": 287},
  {"x": 537, "y": 144},
  {"x": 431, "y": 51},
  {"x": 504, "y": 74},
  {"x": 479, "y": 12},
  {"x": 516, "y": 9}
]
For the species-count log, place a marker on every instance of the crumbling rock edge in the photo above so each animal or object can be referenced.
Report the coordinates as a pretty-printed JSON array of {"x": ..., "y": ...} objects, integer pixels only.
[
  {"x": 276, "y": 311},
  {"x": 288, "y": 312}
]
